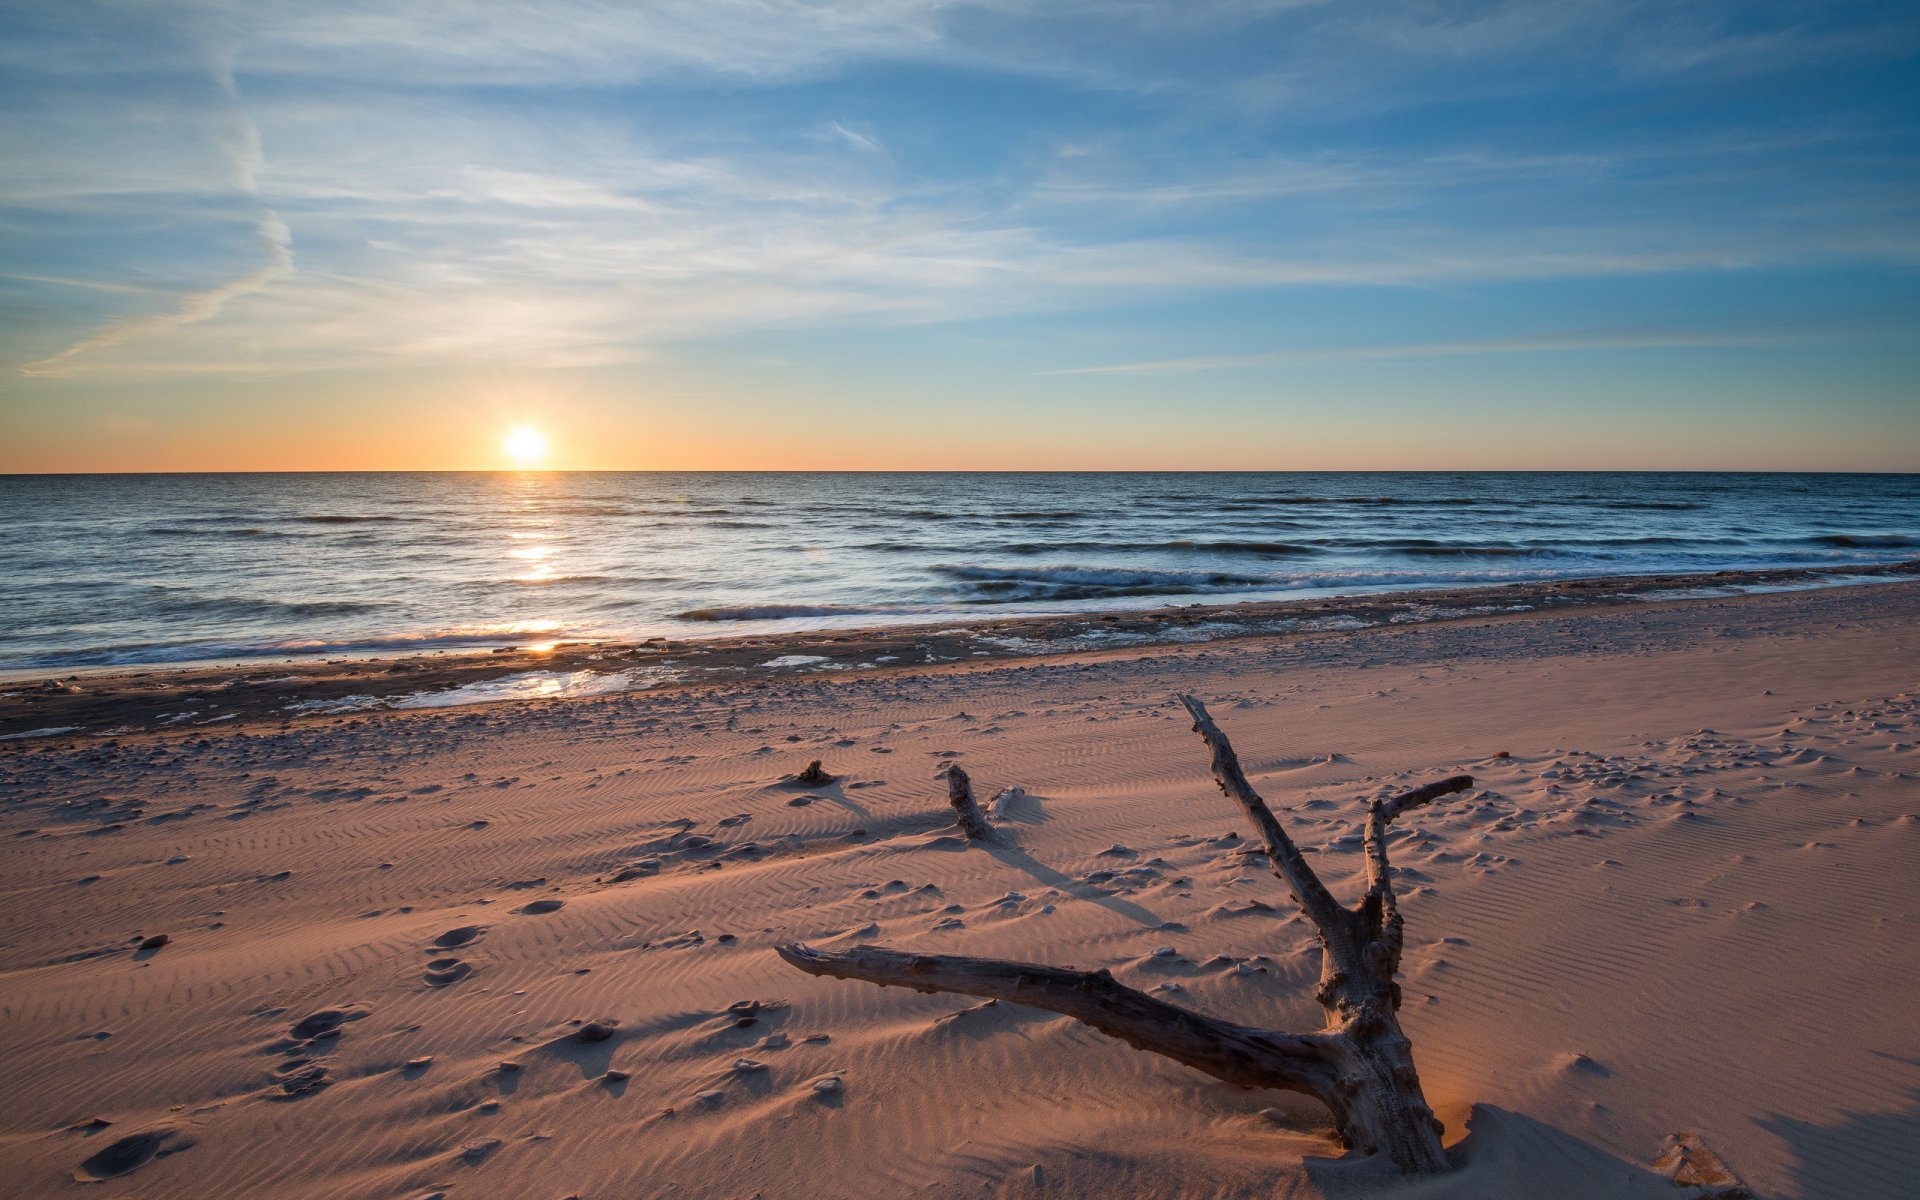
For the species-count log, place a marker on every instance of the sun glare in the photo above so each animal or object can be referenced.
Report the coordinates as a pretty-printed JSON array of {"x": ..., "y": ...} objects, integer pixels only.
[{"x": 525, "y": 447}]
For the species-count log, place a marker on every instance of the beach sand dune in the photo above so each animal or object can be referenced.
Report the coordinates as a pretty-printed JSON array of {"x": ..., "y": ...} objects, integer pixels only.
[{"x": 526, "y": 949}]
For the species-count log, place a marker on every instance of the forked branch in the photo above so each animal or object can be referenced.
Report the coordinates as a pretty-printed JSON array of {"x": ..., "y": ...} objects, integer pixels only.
[
  {"x": 1379, "y": 909},
  {"x": 1360, "y": 1066},
  {"x": 1308, "y": 892}
]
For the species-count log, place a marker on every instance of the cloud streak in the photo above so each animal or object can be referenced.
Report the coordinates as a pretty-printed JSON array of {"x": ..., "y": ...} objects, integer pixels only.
[
  {"x": 1518, "y": 345},
  {"x": 244, "y": 159},
  {"x": 275, "y": 241},
  {"x": 634, "y": 177}
]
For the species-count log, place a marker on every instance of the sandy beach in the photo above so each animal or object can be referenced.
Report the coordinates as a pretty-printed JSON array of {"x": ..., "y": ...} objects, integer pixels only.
[{"x": 1679, "y": 898}]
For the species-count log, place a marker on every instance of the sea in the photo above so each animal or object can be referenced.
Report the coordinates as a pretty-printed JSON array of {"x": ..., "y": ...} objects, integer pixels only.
[{"x": 99, "y": 570}]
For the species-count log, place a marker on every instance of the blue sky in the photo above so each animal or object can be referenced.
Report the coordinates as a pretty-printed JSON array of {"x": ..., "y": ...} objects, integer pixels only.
[{"x": 1225, "y": 233}]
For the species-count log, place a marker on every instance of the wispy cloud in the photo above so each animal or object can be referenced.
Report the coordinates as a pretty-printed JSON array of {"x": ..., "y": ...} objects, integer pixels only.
[
  {"x": 239, "y": 142},
  {"x": 1519, "y": 345},
  {"x": 573, "y": 183},
  {"x": 275, "y": 242}
]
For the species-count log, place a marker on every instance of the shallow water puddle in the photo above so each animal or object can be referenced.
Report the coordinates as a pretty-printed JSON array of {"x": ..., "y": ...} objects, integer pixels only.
[{"x": 527, "y": 685}]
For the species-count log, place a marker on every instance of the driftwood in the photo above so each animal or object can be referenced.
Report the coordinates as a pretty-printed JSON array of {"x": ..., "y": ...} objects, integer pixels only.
[
  {"x": 973, "y": 822},
  {"x": 1360, "y": 1065}
]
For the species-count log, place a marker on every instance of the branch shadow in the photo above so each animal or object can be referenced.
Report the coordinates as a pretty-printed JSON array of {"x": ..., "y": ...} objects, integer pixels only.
[
  {"x": 1505, "y": 1153},
  {"x": 835, "y": 791},
  {"x": 1017, "y": 858},
  {"x": 1864, "y": 1155}
]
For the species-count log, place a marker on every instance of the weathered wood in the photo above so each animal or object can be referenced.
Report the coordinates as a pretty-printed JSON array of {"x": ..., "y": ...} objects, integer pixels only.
[
  {"x": 1308, "y": 892},
  {"x": 1235, "y": 1053},
  {"x": 1380, "y": 910},
  {"x": 973, "y": 822},
  {"x": 1360, "y": 1065}
]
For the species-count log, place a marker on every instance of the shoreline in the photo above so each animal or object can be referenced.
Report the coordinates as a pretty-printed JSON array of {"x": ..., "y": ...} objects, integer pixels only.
[{"x": 113, "y": 701}]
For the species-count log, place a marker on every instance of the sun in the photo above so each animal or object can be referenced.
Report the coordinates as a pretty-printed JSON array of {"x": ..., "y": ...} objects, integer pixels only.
[{"x": 525, "y": 447}]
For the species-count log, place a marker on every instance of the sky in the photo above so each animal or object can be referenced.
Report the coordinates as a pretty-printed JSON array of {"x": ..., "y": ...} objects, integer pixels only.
[{"x": 924, "y": 234}]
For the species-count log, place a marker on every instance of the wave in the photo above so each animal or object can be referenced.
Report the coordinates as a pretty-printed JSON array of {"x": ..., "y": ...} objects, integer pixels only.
[
  {"x": 249, "y": 531},
  {"x": 1637, "y": 505},
  {"x": 987, "y": 585},
  {"x": 1865, "y": 541},
  {"x": 586, "y": 510},
  {"x": 251, "y": 606},
  {"x": 210, "y": 650},
  {"x": 1256, "y": 549},
  {"x": 341, "y": 519},
  {"x": 568, "y": 580},
  {"x": 1476, "y": 551},
  {"x": 1039, "y": 516},
  {"x": 773, "y": 612},
  {"x": 1411, "y": 501}
]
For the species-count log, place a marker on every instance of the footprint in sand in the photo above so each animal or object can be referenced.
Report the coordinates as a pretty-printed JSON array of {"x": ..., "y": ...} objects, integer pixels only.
[
  {"x": 131, "y": 1153},
  {"x": 463, "y": 936},
  {"x": 539, "y": 907},
  {"x": 443, "y": 971},
  {"x": 325, "y": 1023},
  {"x": 298, "y": 1077}
]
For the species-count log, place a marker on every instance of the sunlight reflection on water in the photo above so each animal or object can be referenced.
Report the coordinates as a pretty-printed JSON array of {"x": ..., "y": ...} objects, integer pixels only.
[{"x": 528, "y": 685}]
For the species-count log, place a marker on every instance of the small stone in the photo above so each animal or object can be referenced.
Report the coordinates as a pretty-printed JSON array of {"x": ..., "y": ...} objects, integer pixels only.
[
  {"x": 155, "y": 942},
  {"x": 593, "y": 1031},
  {"x": 830, "y": 1086},
  {"x": 617, "y": 1076}
]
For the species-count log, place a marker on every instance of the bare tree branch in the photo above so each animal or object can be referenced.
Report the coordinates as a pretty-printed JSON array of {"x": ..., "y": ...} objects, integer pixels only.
[
  {"x": 1234, "y": 1053},
  {"x": 1379, "y": 909},
  {"x": 1308, "y": 892}
]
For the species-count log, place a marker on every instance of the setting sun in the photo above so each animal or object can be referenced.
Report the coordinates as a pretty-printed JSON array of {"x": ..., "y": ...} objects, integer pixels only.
[{"x": 525, "y": 447}]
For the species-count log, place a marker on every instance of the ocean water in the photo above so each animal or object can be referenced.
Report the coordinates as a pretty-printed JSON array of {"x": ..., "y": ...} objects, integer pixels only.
[{"x": 109, "y": 569}]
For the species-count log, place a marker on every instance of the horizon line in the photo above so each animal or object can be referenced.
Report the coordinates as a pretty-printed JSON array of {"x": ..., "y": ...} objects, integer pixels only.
[{"x": 981, "y": 471}]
